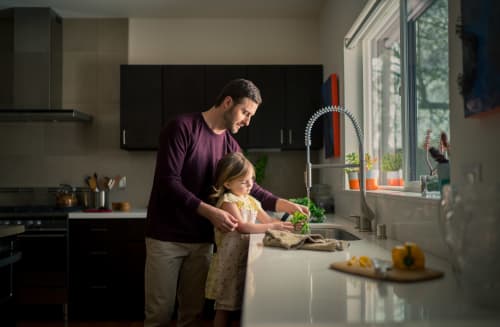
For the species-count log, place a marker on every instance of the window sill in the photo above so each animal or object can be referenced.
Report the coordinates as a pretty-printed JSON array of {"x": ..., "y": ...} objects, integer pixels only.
[{"x": 397, "y": 192}]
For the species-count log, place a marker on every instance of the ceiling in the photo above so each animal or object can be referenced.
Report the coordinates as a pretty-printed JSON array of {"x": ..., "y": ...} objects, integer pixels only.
[{"x": 176, "y": 8}]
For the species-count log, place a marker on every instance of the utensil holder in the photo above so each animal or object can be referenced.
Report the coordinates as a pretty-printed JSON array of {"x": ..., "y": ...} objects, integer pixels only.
[{"x": 101, "y": 200}]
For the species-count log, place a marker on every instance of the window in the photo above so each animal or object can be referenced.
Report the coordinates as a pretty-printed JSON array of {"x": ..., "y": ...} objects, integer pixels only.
[
  {"x": 428, "y": 53},
  {"x": 396, "y": 114}
]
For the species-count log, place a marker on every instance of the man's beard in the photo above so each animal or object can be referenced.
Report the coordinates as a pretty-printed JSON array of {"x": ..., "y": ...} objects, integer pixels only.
[{"x": 229, "y": 121}]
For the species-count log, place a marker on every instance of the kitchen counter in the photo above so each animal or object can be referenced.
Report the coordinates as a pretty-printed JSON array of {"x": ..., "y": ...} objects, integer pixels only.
[
  {"x": 6, "y": 231},
  {"x": 136, "y": 213},
  {"x": 296, "y": 287}
]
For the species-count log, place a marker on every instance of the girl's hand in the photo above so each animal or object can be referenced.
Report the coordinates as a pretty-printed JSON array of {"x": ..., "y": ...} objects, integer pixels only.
[{"x": 284, "y": 225}]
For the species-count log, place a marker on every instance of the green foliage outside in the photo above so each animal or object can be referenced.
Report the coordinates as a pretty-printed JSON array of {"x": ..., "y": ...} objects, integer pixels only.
[{"x": 392, "y": 161}]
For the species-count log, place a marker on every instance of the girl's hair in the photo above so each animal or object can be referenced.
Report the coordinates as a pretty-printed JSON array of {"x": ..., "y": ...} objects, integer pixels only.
[
  {"x": 232, "y": 166},
  {"x": 238, "y": 89}
]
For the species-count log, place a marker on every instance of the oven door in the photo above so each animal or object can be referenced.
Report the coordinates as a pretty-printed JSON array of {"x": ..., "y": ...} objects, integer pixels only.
[
  {"x": 8, "y": 257},
  {"x": 42, "y": 274}
]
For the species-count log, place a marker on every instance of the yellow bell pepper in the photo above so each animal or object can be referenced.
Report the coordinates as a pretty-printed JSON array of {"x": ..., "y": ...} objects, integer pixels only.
[
  {"x": 362, "y": 261},
  {"x": 408, "y": 257}
]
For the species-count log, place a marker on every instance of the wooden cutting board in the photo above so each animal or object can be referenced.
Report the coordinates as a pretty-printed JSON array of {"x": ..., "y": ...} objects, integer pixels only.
[{"x": 396, "y": 275}]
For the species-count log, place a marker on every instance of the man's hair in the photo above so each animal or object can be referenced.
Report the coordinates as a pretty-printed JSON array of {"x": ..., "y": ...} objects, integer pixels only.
[{"x": 238, "y": 89}]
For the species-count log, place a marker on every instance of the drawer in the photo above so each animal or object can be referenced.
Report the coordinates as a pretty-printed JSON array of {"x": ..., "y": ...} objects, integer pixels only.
[{"x": 106, "y": 230}]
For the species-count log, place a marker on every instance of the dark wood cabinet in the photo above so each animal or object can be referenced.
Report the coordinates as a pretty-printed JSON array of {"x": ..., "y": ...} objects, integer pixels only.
[
  {"x": 153, "y": 94},
  {"x": 141, "y": 104},
  {"x": 183, "y": 90},
  {"x": 303, "y": 98},
  {"x": 267, "y": 127},
  {"x": 106, "y": 268}
]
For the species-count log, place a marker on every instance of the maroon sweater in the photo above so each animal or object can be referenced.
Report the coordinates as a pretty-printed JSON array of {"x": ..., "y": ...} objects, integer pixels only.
[{"x": 184, "y": 174}]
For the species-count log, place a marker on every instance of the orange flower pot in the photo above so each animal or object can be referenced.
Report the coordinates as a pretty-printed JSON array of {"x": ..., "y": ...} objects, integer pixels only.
[{"x": 353, "y": 180}]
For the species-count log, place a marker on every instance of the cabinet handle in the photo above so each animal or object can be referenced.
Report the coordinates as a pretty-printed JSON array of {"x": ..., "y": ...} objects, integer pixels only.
[
  {"x": 290, "y": 136},
  {"x": 281, "y": 136},
  {"x": 124, "y": 137}
]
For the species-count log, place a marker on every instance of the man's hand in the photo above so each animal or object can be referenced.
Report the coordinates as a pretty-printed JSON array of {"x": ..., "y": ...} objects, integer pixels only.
[
  {"x": 283, "y": 205},
  {"x": 221, "y": 219}
]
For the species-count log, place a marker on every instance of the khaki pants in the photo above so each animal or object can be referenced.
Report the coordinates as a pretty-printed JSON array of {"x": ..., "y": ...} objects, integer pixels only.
[{"x": 175, "y": 270}]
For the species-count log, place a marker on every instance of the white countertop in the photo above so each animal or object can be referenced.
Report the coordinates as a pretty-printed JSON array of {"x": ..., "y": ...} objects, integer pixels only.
[
  {"x": 136, "y": 213},
  {"x": 296, "y": 288}
]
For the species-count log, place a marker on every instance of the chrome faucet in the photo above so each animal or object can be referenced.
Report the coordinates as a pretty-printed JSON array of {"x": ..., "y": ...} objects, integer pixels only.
[{"x": 367, "y": 215}]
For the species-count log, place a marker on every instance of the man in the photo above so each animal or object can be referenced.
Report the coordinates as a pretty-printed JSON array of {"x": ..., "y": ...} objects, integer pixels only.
[{"x": 179, "y": 226}]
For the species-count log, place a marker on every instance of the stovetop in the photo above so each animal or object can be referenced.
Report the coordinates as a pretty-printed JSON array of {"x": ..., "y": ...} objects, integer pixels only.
[{"x": 36, "y": 209}]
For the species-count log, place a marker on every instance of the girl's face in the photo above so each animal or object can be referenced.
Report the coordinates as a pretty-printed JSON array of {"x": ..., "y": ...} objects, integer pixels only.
[{"x": 241, "y": 185}]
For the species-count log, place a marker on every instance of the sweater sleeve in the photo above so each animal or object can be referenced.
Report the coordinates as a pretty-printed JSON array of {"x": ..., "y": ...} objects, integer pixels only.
[
  {"x": 267, "y": 199},
  {"x": 174, "y": 143}
]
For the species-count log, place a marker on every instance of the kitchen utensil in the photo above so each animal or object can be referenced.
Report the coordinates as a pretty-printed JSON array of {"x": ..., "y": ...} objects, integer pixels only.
[
  {"x": 397, "y": 275},
  {"x": 111, "y": 183},
  {"x": 101, "y": 199},
  {"x": 66, "y": 197},
  {"x": 122, "y": 182},
  {"x": 92, "y": 183}
]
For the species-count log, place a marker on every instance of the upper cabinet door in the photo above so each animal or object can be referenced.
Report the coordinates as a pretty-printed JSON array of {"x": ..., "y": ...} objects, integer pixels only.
[
  {"x": 303, "y": 98},
  {"x": 183, "y": 90},
  {"x": 267, "y": 126},
  {"x": 140, "y": 106},
  {"x": 216, "y": 77}
]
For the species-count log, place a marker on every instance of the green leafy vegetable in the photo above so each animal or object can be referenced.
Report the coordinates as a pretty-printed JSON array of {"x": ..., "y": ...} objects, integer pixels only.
[
  {"x": 297, "y": 218},
  {"x": 317, "y": 213}
]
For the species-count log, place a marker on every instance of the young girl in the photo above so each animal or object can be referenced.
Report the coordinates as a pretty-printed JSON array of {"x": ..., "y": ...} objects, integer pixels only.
[{"x": 234, "y": 178}]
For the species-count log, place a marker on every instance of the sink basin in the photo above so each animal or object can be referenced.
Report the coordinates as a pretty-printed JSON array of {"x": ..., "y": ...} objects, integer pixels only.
[{"x": 334, "y": 232}]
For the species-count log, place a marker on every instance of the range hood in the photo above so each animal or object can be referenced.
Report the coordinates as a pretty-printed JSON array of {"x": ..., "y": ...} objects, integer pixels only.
[{"x": 31, "y": 66}]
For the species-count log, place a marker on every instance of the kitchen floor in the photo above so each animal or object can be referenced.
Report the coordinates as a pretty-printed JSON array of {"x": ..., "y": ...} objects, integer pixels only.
[
  {"x": 206, "y": 323},
  {"x": 92, "y": 324}
]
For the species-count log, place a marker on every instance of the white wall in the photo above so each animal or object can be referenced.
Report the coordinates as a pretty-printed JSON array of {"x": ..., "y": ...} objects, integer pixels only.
[{"x": 224, "y": 41}]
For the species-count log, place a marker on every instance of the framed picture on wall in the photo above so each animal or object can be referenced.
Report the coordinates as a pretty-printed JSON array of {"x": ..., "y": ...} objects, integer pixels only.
[{"x": 479, "y": 30}]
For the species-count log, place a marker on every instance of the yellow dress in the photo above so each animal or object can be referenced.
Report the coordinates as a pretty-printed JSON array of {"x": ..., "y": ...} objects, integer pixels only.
[{"x": 226, "y": 276}]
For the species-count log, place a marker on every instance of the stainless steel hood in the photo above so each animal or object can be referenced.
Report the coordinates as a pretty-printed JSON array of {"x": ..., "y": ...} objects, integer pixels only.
[{"x": 31, "y": 67}]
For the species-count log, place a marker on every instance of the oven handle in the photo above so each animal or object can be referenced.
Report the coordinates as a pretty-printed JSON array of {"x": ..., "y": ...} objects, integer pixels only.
[
  {"x": 15, "y": 257},
  {"x": 51, "y": 235}
]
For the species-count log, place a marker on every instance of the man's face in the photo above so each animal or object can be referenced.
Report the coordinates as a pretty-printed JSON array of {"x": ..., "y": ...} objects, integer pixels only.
[{"x": 238, "y": 115}]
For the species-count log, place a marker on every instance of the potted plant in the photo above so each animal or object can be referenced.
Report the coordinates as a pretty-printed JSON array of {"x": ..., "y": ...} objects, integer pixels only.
[
  {"x": 371, "y": 172},
  {"x": 392, "y": 164},
  {"x": 352, "y": 173}
]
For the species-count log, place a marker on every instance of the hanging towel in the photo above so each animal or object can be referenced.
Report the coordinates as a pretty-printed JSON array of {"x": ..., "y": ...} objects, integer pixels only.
[
  {"x": 331, "y": 124},
  {"x": 289, "y": 240}
]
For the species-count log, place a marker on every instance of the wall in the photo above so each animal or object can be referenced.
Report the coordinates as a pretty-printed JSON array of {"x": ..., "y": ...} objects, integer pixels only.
[
  {"x": 47, "y": 154},
  {"x": 410, "y": 217}
]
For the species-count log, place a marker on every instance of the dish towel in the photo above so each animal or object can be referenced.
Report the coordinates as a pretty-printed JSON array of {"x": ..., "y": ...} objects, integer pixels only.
[{"x": 289, "y": 240}]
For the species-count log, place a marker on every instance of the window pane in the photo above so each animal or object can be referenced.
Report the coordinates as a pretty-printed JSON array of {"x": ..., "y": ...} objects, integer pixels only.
[
  {"x": 431, "y": 78},
  {"x": 385, "y": 106}
]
